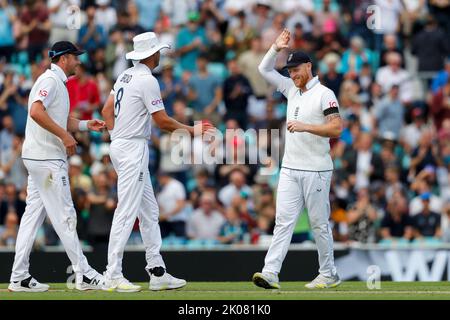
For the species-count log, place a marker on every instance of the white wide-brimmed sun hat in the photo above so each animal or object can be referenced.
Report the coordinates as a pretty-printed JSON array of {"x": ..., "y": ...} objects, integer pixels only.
[{"x": 145, "y": 45}]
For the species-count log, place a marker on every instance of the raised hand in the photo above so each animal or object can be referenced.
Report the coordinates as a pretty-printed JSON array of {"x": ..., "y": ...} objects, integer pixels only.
[{"x": 282, "y": 42}]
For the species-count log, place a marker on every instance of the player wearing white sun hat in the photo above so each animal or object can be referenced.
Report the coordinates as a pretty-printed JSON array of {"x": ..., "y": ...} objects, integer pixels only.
[{"x": 134, "y": 101}]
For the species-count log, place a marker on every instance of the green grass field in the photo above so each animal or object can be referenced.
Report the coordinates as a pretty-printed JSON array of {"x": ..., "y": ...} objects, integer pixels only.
[{"x": 351, "y": 290}]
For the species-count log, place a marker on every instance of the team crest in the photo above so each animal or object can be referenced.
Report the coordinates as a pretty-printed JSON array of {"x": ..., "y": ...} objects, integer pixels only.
[{"x": 290, "y": 57}]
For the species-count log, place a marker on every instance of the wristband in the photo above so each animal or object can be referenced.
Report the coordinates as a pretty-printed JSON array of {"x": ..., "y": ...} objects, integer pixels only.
[{"x": 83, "y": 125}]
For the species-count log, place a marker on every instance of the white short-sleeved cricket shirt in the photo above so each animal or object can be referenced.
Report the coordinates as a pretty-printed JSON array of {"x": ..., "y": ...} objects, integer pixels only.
[
  {"x": 303, "y": 150},
  {"x": 136, "y": 96},
  {"x": 50, "y": 88}
]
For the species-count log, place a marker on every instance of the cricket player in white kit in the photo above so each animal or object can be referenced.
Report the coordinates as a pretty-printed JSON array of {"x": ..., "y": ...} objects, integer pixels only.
[
  {"x": 47, "y": 144},
  {"x": 134, "y": 101},
  {"x": 312, "y": 118}
]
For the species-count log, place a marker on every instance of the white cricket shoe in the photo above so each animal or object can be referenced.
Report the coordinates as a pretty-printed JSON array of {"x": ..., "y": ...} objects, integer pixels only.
[
  {"x": 28, "y": 285},
  {"x": 165, "y": 282},
  {"x": 322, "y": 282},
  {"x": 266, "y": 280},
  {"x": 120, "y": 285},
  {"x": 83, "y": 283}
]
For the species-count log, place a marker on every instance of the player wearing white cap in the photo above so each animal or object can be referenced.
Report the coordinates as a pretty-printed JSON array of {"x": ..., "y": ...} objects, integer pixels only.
[
  {"x": 47, "y": 143},
  {"x": 312, "y": 118},
  {"x": 134, "y": 101}
]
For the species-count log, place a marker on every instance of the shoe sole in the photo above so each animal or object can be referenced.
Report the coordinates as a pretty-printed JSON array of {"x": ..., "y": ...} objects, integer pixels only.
[
  {"x": 128, "y": 290},
  {"x": 259, "y": 281},
  {"x": 121, "y": 290},
  {"x": 333, "y": 285},
  {"x": 88, "y": 288},
  {"x": 167, "y": 287},
  {"x": 27, "y": 290}
]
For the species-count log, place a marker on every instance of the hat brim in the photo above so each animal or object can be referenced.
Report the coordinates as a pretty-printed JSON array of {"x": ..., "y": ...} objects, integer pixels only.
[
  {"x": 133, "y": 55},
  {"x": 293, "y": 64},
  {"x": 78, "y": 52}
]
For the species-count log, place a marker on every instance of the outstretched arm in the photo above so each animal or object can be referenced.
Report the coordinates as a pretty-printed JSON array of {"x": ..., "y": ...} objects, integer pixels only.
[
  {"x": 267, "y": 65},
  {"x": 167, "y": 123}
]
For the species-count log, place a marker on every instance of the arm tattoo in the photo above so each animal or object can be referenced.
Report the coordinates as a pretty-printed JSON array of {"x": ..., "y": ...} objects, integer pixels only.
[{"x": 330, "y": 117}]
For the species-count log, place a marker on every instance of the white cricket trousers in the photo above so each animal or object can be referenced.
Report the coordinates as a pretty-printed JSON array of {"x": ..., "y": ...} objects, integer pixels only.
[
  {"x": 135, "y": 200},
  {"x": 48, "y": 191},
  {"x": 297, "y": 189}
]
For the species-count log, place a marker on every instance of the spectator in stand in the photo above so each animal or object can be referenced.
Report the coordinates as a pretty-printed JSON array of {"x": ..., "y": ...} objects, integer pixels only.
[
  {"x": 12, "y": 169},
  {"x": 12, "y": 200},
  {"x": 300, "y": 40},
  {"x": 440, "y": 105},
  {"x": 128, "y": 22},
  {"x": 36, "y": 27},
  {"x": 354, "y": 58},
  {"x": 397, "y": 224},
  {"x": 393, "y": 74},
  {"x": 362, "y": 219},
  {"x": 390, "y": 10},
  {"x": 206, "y": 222},
  {"x": 84, "y": 93},
  {"x": 240, "y": 35},
  {"x": 201, "y": 184},
  {"x": 392, "y": 182},
  {"x": 299, "y": 12},
  {"x": 427, "y": 223},
  {"x": 431, "y": 46},
  {"x": 389, "y": 113},
  {"x": 205, "y": 92},
  {"x": 411, "y": 133},
  {"x": 390, "y": 44},
  {"x": 61, "y": 20},
  {"x": 236, "y": 186},
  {"x": 91, "y": 36},
  {"x": 105, "y": 15},
  {"x": 170, "y": 86},
  {"x": 441, "y": 79},
  {"x": 332, "y": 78},
  {"x": 7, "y": 18},
  {"x": 421, "y": 185},
  {"x": 248, "y": 62},
  {"x": 362, "y": 164},
  {"x": 8, "y": 234},
  {"x": 233, "y": 231},
  {"x": 191, "y": 41},
  {"x": 425, "y": 154},
  {"x": 149, "y": 12},
  {"x": 172, "y": 202},
  {"x": 78, "y": 180},
  {"x": 236, "y": 92},
  {"x": 116, "y": 49}
]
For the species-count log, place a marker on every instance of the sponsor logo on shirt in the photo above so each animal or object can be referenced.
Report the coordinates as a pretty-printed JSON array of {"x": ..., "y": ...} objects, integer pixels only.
[
  {"x": 156, "y": 102},
  {"x": 43, "y": 93},
  {"x": 126, "y": 78}
]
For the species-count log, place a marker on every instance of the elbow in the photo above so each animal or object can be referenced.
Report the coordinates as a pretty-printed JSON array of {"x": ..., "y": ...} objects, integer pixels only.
[
  {"x": 34, "y": 113},
  {"x": 261, "y": 68}
]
